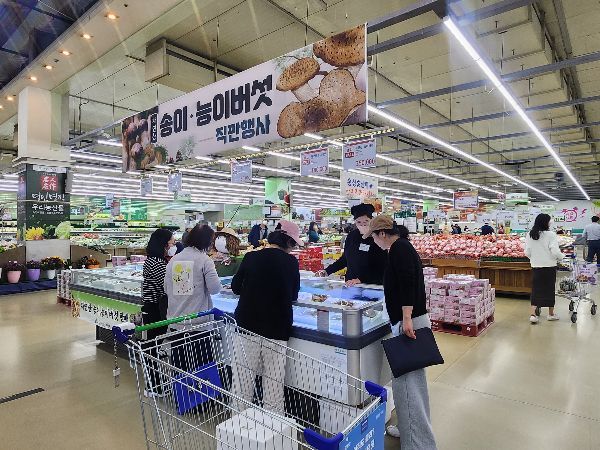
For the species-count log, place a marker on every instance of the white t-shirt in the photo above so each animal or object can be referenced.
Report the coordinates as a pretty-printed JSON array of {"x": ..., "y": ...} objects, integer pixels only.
[{"x": 545, "y": 251}]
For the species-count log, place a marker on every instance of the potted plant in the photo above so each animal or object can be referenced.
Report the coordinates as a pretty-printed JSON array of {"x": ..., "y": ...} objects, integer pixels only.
[
  {"x": 50, "y": 265},
  {"x": 33, "y": 270},
  {"x": 92, "y": 263},
  {"x": 13, "y": 271}
]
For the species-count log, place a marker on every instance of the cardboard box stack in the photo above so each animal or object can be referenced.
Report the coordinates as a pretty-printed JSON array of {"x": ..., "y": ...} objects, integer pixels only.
[
  {"x": 460, "y": 299},
  {"x": 63, "y": 285},
  {"x": 137, "y": 258},
  {"x": 119, "y": 260}
]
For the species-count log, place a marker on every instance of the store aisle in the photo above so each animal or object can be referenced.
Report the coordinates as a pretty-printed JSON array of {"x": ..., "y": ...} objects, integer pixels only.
[{"x": 516, "y": 387}]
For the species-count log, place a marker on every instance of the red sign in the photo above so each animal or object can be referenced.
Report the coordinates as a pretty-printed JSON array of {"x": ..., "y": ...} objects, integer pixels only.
[{"x": 49, "y": 182}]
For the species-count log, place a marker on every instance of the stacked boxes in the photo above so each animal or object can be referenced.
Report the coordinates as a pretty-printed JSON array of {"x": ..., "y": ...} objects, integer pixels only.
[
  {"x": 119, "y": 260},
  {"x": 460, "y": 299},
  {"x": 137, "y": 258},
  {"x": 63, "y": 285},
  {"x": 310, "y": 258}
]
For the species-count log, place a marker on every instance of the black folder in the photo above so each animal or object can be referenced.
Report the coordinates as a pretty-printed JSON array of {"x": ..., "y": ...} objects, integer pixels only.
[{"x": 406, "y": 355}]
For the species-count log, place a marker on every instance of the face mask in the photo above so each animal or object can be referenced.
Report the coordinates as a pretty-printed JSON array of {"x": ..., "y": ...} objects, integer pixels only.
[
  {"x": 221, "y": 244},
  {"x": 172, "y": 250}
]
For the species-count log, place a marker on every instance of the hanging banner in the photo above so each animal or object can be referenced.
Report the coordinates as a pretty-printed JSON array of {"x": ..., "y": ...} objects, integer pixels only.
[
  {"x": 108, "y": 200},
  {"x": 145, "y": 186},
  {"x": 436, "y": 214},
  {"x": 314, "y": 162},
  {"x": 357, "y": 185},
  {"x": 466, "y": 199},
  {"x": 241, "y": 171},
  {"x": 183, "y": 196},
  {"x": 174, "y": 182},
  {"x": 359, "y": 154},
  {"x": 517, "y": 198},
  {"x": 318, "y": 87}
]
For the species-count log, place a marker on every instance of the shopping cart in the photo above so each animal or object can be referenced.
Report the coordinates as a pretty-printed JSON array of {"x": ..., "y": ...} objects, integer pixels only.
[
  {"x": 578, "y": 287},
  {"x": 199, "y": 388}
]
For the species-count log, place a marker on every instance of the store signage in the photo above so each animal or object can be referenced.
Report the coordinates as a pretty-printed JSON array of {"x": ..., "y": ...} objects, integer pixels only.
[
  {"x": 559, "y": 217},
  {"x": 183, "y": 196},
  {"x": 174, "y": 182},
  {"x": 357, "y": 185},
  {"x": 466, "y": 199},
  {"x": 314, "y": 162},
  {"x": 49, "y": 169},
  {"x": 146, "y": 186},
  {"x": 483, "y": 218},
  {"x": 108, "y": 200},
  {"x": 100, "y": 315},
  {"x": 318, "y": 87},
  {"x": 359, "y": 154},
  {"x": 517, "y": 198},
  {"x": 430, "y": 204},
  {"x": 436, "y": 214},
  {"x": 368, "y": 434},
  {"x": 241, "y": 171}
]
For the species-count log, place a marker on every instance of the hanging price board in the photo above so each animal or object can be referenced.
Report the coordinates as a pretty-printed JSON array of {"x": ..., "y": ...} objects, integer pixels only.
[{"x": 359, "y": 154}]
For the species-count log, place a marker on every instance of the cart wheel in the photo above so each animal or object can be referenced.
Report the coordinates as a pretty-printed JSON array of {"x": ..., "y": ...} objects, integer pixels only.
[
  {"x": 538, "y": 311},
  {"x": 574, "y": 317},
  {"x": 571, "y": 306},
  {"x": 593, "y": 310}
]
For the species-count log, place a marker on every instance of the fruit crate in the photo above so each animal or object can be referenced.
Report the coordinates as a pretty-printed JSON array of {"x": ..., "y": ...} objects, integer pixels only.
[{"x": 462, "y": 330}]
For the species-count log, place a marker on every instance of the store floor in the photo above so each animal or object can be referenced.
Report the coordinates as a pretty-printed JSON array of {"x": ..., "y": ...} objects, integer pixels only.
[{"x": 515, "y": 387}]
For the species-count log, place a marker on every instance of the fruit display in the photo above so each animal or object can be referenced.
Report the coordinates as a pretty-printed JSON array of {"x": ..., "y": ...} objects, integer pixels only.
[{"x": 503, "y": 247}]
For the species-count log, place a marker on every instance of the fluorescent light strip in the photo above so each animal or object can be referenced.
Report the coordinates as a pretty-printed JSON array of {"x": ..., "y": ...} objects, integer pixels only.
[
  {"x": 315, "y": 186},
  {"x": 313, "y": 136},
  {"x": 453, "y": 149},
  {"x": 385, "y": 188},
  {"x": 250, "y": 148},
  {"x": 434, "y": 173},
  {"x": 109, "y": 143},
  {"x": 490, "y": 73}
]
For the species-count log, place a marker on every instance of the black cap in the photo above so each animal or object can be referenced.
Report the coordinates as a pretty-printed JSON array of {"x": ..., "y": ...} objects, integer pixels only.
[{"x": 363, "y": 209}]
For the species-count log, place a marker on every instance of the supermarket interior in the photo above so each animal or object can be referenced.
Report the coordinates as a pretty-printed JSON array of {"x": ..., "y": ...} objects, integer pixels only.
[{"x": 299, "y": 224}]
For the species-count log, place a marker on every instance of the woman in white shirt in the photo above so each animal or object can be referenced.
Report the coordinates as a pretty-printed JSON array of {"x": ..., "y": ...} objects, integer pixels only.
[{"x": 541, "y": 247}]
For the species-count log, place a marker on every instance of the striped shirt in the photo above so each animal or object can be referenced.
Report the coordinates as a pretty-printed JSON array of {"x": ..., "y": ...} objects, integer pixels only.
[{"x": 153, "y": 284}]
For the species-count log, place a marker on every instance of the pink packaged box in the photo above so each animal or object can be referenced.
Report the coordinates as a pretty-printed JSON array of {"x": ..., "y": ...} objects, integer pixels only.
[
  {"x": 452, "y": 309},
  {"x": 471, "y": 299},
  {"x": 439, "y": 283},
  {"x": 437, "y": 304},
  {"x": 439, "y": 291},
  {"x": 119, "y": 260},
  {"x": 452, "y": 300},
  {"x": 451, "y": 319}
]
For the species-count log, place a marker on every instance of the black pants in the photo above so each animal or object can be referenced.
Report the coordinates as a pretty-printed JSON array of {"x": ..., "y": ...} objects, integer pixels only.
[
  {"x": 593, "y": 250},
  {"x": 153, "y": 312}
]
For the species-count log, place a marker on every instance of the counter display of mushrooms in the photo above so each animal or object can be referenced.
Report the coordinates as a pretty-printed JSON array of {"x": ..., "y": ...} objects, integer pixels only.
[{"x": 337, "y": 97}]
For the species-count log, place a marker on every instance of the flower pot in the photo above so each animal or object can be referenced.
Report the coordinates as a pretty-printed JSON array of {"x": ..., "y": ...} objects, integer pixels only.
[
  {"x": 50, "y": 274},
  {"x": 13, "y": 276},
  {"x": 96, "y": 266},
  {"x": 33, "y": 274}
]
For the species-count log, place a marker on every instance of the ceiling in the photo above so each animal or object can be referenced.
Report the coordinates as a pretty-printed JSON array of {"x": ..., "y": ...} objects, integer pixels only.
[{"x": 105, "y": 79}]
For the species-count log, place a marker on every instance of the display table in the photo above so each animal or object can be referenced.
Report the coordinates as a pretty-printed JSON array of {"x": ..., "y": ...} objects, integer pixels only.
[{"x": 506, "y": 277}]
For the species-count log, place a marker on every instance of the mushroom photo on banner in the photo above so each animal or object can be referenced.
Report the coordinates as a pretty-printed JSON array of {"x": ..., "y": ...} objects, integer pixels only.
[{"x": 338, "y": 96}]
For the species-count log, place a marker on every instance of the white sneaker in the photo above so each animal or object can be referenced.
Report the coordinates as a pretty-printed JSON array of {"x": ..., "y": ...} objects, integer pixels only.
[
  {"x": 554, "y": 317},
  {"x": 393, "y": 431},
  {"x": 533, "y": 318}
]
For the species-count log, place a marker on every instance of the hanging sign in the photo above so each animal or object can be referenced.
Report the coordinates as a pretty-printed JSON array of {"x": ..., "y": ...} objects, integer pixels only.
[
  {"x": 357, "y": 185},
  {"x": 517, "y": 198},
  {"x": 174, "y": 182},
  {"x": 183, "y": 196},
  {"x": 241, "y": 171},
  {"x": 108, "y": 200},
  {"x": 359, "y": 154},
  {"x": 436, "y": 214},
  {"x": 466, "y": 199},
  {"x": 145, "y": 186},
  {"x": 318, "y": 87},
  {"x": 314, "y": 162}
]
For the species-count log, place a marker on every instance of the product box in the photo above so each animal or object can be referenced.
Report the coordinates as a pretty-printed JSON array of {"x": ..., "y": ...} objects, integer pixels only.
[{"x": 439, "y": 291}]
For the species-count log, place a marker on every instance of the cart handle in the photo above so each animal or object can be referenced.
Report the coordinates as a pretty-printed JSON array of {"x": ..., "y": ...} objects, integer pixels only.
[{"x": 124, "y": 331}]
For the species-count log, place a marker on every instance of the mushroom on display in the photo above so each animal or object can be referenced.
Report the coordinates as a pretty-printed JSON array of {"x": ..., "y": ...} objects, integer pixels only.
[
  {"x": 346, "y": 50},
  {"x": 295, "y": 78}
]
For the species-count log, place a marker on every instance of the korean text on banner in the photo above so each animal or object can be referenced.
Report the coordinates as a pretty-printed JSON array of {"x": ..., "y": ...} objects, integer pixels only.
[
  {"x": 145, "y": 186},
  {"x": 314, "y": 162},
  {"x": 318, "y": 87},
  {"x": 241, "y": 171},
  {"x": 357, "y": 186},
  {"x": 174, "y": 182},
  {"x": 466, "y": 199},
  {"x": 359, "y": 154}
]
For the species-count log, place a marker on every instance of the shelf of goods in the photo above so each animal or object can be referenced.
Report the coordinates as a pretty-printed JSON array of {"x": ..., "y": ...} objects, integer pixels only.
[
  {"x": 501, "y": 259},
  {"x": 114, "y": 243},
  {"x": 340, "y": 325}
]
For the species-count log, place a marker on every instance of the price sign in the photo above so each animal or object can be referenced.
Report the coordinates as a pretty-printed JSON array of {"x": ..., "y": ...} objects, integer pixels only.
[
  {"x": 359, "y": 154},
  {"x": 314, "y": 162},
  {"x": 145, "y": 186},
  {"x": 241, "y": 171},
  {"x": 357, "y": 186},
  {"x": 466, "y": 199},
  {"x": 174, "y": 182}
]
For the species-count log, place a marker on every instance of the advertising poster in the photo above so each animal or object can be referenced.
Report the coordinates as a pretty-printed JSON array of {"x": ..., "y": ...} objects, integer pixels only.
[
  {"x": 315, "y": 88},
  {"x": 146, "y": 186},
  {"x": 359, "y": 154},
  {"x": 277, "y": 193},
  {"x": 357, "y": 186},
  {"x": 314, "y": 162},
  {"x": 436, "y": 214},
  {"x": 241, "y": 171},
  {"x": 466, "y": 199},
  {"x": 43, "y": 207},
  {"x": 174, "y": 182}
]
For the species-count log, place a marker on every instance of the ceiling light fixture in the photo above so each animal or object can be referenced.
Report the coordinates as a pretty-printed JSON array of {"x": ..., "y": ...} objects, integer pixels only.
[
  {"x": 10, "y": 98},
  {"x": 453, "y": 149},
  {"x": 490, "y": 73},
  {"x": 112, "y": 16},
  {"x": 313, "y": 136},
  {"x": 109, "y": 143},
  {"x": 86, "y": 36},
  {"x": 33, "y": 78},
  {"x": 65, "y": 52},
  {"x": 202, "y": 158},
  {"x": 252, "y": 149},
  {"x": 1, "y": 107},
  {"x": 48, "y": 67}
]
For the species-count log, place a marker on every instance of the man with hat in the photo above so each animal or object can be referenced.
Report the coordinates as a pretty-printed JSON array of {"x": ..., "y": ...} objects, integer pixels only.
[{"x": 365, "y": 261}]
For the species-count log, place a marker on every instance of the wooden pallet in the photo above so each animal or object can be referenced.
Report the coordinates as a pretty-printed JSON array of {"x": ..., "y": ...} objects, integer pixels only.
[{"x": 463, "y": 330}]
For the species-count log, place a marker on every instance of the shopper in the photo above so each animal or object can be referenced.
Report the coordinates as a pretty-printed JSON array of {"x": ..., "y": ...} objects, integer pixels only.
[
  {"x": 456, "y": 229},
  {"x": 154, "y": 308},
  {"x": 365, "y": 261},
  {"x": 185, "y": 235},
  {"x": 404, "y": 287},
  {"x": 257, "y": 233},
  {"x": 191, "y": 278},
  {"x": 591, "y": 233},
  {"x": 501, "y": 229},
  {"x": 541, "y": 247},
  {"x": 486, "y": 229},
  {"x": 265, "y": 308},
  {"x": 313, "y": 233}
]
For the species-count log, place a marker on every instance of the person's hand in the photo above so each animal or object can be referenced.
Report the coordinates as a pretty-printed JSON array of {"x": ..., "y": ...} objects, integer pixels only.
[
  {"x": 353, "y": 282},
  {"x": 407, "y": 328},
  {"x": 320, "y": 273}
]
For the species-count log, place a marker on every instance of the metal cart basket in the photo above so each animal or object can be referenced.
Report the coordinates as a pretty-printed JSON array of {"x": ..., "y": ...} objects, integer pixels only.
[
  {"x": 578, "y": 287},
  {"x": 209, "y": 384}
]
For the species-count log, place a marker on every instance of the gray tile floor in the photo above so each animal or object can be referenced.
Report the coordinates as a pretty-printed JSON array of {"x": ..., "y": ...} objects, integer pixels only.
[{"x": 515, "y": 387}]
